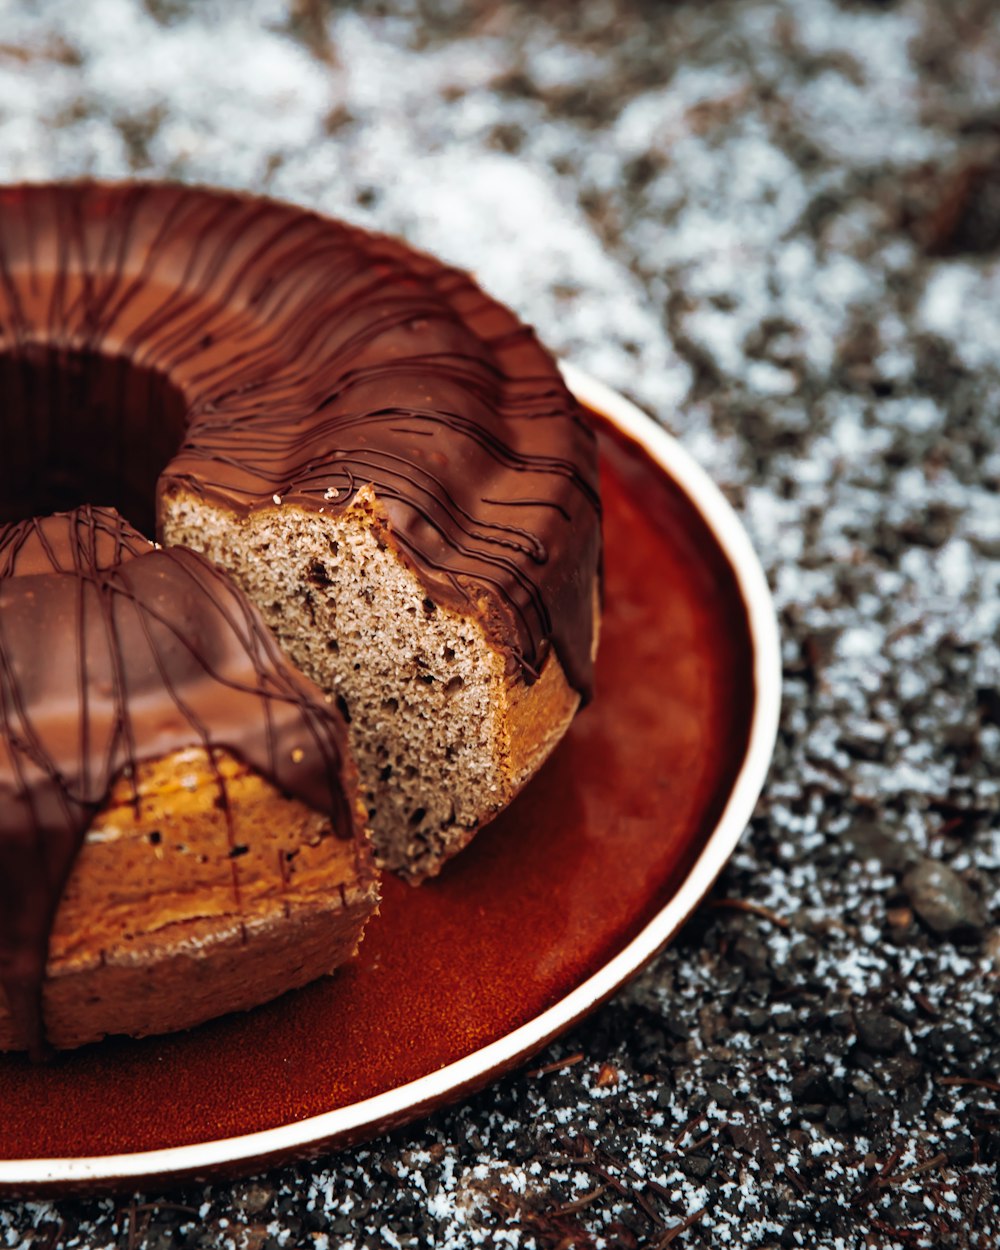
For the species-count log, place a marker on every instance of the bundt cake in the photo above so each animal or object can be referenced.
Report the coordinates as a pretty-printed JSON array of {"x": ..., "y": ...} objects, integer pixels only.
[{"x": 383, "y": 459}]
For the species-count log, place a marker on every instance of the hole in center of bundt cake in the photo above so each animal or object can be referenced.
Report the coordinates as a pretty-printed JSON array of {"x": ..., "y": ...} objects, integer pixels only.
[{"x": 84, "y": 427}]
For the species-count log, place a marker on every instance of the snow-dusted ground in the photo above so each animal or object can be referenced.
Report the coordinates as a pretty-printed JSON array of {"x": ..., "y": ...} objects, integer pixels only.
[{"x": 776, "y": 224}]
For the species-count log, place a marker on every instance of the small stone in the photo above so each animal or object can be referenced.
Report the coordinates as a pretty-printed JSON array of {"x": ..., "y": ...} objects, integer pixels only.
[
  {"x": 608, "y": 1075},
  {"x": 907, "y": 1071},
  {"x": 910, "y": 1105},
  {"x": 817, "y": 1048},
  {"x": 721, "y": 1094},
  {"x": 810, "y": 1086},
  {"x": 880, "y": 1034},
  {"x": 836, "y": 1118},
  {"x": 961, "y": 737},
  {"x": 879, "y": 1103},
  {"x": 961, "y": 1149},
  {"x": 872, "y": 841},
  {"x": 253, "y": 1197},
  {"x": 864, "y": 746},
  {"x": 751, "y": 1139},
  {"x": 697, "y": 1166},
  {"x": 751, "y": 952},
  {"x": 948, "y": 1040},
  {"x": 942, "y": 899}
]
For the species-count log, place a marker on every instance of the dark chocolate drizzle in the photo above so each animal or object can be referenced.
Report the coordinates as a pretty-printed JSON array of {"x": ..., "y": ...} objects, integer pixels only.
[
  {"x": 294, "y": 359},
  {"x": 113, "y": 652}
]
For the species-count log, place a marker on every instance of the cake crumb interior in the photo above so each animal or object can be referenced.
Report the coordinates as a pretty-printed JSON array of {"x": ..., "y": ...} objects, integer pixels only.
[{"x": 421, "y": 688}]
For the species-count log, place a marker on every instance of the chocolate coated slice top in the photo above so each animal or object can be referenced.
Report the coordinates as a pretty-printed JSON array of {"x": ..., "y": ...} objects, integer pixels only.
[{"x": 113, "y": 652}]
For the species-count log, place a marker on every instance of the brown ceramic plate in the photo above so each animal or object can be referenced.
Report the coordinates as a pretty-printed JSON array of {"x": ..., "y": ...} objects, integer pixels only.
[{"x": 551, "y": 909}]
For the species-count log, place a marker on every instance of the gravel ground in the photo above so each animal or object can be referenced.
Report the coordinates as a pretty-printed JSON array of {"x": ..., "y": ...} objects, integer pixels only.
[{"x": 776, "y": 225}]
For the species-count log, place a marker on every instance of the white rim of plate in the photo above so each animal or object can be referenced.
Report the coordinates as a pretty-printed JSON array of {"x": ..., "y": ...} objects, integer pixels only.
[{"x": 503, "y": 1054}]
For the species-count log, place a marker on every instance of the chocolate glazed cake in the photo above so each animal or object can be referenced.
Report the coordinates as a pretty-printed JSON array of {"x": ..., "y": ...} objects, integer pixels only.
[{"x": 383, "y": 458}]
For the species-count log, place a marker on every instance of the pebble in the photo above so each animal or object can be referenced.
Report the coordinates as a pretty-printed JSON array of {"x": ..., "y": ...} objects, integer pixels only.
[
  {"x": 942, "y": 899},
  {"x": 880, "y": 1034},
  {"x": 811, "y": 1086},
  {"x": 698, "y": 1166},
  {"x": 872, "y": 841},
  {"x": 836, "y": 1118},
  {"x": 720, "y": 1094},
  {"x": 253, "y": 1197}
]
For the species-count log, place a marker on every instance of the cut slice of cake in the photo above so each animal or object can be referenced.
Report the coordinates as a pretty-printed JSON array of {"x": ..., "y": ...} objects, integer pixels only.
[{"x": 180, "y": 834}]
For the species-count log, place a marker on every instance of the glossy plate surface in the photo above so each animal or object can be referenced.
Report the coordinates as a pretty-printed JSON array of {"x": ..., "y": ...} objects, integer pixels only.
[{"x": 550, "y": 910}]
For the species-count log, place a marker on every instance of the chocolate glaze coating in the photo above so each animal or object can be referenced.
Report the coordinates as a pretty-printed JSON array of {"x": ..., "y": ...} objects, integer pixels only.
[
  {"x": 111, "y": 652},
  {"x": 259, "y": 356}
]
